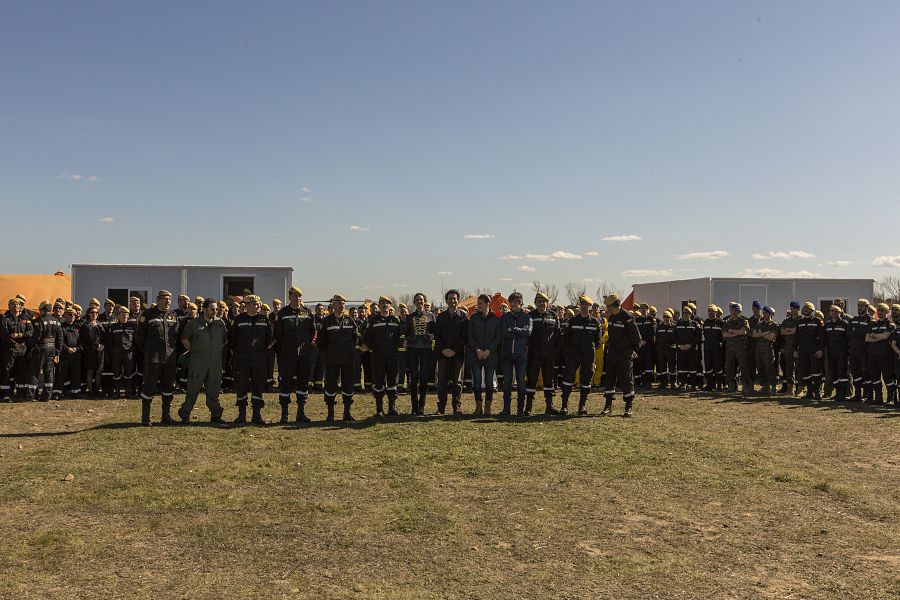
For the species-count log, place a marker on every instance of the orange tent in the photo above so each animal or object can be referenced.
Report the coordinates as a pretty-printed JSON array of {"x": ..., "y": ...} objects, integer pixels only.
[
  {"x": 471, "y": 303},
  {"x": 35, "y": 288}
]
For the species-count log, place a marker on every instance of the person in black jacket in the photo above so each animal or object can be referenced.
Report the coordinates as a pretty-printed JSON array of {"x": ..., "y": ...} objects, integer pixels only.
[
  {"x": 67, "y": 378},
  {"x": 157, "y": 336},
  {"x": 382, "y": 339},
  {"x": 622, "y": 344},
  {"x": 713, "y": 349},
  {"x": 337, "y": 342},
  {"x": 449, "y": 350},
  {"x": 581, "y": 339},
  {"x": 92, "y": 338},
  {"x": 666, "y": 352},
  {"x": 47, "y": 339},
  {"x": 120, "y": 345},
  {"x": 836, "y": 343},
  {"x": 810, "y": 344},
  {"x": 17, "y": 331},
  {"x": 484, "y": 337},
  {"x": 542, "y": 351},
  {"x": 419, "y": 343},
  {"x": 295, "y": 331},
  {"x": 879, "y": 352},
  {"x": 646, "y": 325},
  {"x": 687, "y": 336},
  {"x": 250, "y": 338}
]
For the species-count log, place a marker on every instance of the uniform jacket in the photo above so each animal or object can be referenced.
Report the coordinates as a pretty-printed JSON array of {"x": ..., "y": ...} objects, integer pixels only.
[
  {"x": 647, "y": 328},
  {"x": 93, "y": 337},
  {"x": 859, "y": 327},
  {"x": 484, "y": 334},
  {"x": 120, "y": 335},
  {"x": 623, "y": 336},
  {"x": 250, "y": 337},
  {"x": 295, "y": 330},
  {"x": 16, "y": 333},
  {"x": 545, "y": 334},
  {"x": 712, "y": 331},
  {"x": 338, "y": 338},
  {"x": 515, "y": 327},
  {"x": 733, "y": 324},
  {"x": 382, "y": 335},
  {"x": 665, "y": 335},
  {"x": 207, "y": 340},
  {"x": 837, "y": 335},
  {"x": 582, "y": 335},
  {"x": 767, "y": 327},
  {"x": 71, "y": 338},
  {"x": 450, "y": 331},
  {"x": 880, "y": 326},
  {"x": 420, "y": 330},
  {"x": 47, "y": 332},
  {"x": 810, "y": 334},
  {"x": 687, "y": 331},
  {"x": 157, "y": 335}
]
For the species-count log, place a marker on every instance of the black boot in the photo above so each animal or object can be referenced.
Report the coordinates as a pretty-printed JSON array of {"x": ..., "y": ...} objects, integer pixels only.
[
  {"x": 868, "y": 389},
  {"x": 582, "y": 405},
  {"x": 242, "y": 415},
  {"x": 857, "y": 391},
  {"x": 628, "y": 409},
  {"x": 520, "y": 407},
  {"x": 507, "y": 407},
  {"x": 379, "y": 406},
  {"x": 607, "y": 406},
  {"x": 284, "y": 413},
  {"x": 301, "y": 412},
  {"x": 145, "y": 412},
  {"x": 347, "y": 415},
  {"x": 564, "y": 403},
  {"x": 529, "y": 404},
  {"x": 257, "y": 419},
  {"x": 166, "y": 410},
  {"x": 392, "y": 405},
  {"x": 330, "y": 415},
  {"x": 548, "y": 406}
]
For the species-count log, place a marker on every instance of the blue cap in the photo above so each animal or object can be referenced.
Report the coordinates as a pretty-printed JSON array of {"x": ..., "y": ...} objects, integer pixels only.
[
  {"x": 795, "y": 304},
  {"x": 768, "y": 310},
  {"x": 756, "y": 304},
  {"x": 736, "y": 306}
]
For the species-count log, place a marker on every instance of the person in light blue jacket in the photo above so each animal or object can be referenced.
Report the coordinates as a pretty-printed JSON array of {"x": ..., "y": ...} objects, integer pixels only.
[{"x": 516, "y": 329}]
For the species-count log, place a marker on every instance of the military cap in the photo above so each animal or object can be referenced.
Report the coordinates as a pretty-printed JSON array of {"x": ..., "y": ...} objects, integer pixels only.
[
  {"x": 692, "y": 306},
  {"x": 895, "y": 306},
  {"x": 644, "y": 305},
  {"x": 184, "y": 297},
  {"x": 163, "y": 294},
  {"x": 385, "y": 299},
  {"x": 668, "y": 313},
  {"x": 109, "y": 301},
  {"x": 338, "y": 298},
  {"x": 712, "y": 307},
  {"x": 768, "y": 310},
  {"x": 796, "y": 303},
  {"x": 835, "y": 308},
  {"x": 862, "y": 302},
  {"x": 69, "y": 311},
  {"x": 585, "y": 298},
  {"x": 687, "y": 307},
  {"x": 756, "y": 304},
  {"x": 77, "y": 307},
  {"x": 123, "y": 309},
  {"x": 819, "y": 314},
  {"x": 541, "y": 296},
  {"x": 199, "y": 300},
  {"x": 809, "y": 305},
  {"x": 570, "y": 312},
  {"x": 652, "y": 310},
  {"x": 43, "y": 304},
  {"x": 295, "y": 290},
  {"x": 736, "y": 306},
  {"x": 719, "y": 310},
  {"x": 20, "y": 299},
  {"x": 883, "y": 306},
  {"x": 93, "y": 302},
  {"x": 59, "y": 304},
  {"x": 138, "y": 298},
  {"x": 610, "y": 300},
  {"x": 403, "y": 306},
  {"x": 266, "y": 307},
  {"x": 250, "y": 298}
]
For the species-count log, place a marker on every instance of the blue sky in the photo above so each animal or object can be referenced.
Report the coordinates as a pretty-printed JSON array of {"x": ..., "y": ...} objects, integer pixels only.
[{"x": 362, "y": 142}]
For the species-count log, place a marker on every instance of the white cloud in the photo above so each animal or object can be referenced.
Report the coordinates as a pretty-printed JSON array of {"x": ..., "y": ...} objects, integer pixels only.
[
  {"x": 782, "y": 254},
  {"x": 358, "y": 228},
  {"x": 768, "y": 273},
  {"x": 592, "y": 253},
  {"x": 840, "y": 264},
  {"x": 106, "y": 219},
  {"x": 558, "y": 255},
  {"x": 307, "y": 199},
  {"x": 622, "y": 238},
  {"x": 892, "y": 262},
  {"x": 305, "y": 190},
  {"x": 587, "y": 280},
  {"x": 526, "y": 268},
  {"x": 445, "y": 273},
  {"x": 77, "y": 177},
  {"x": 399, "y": 285},
  {"x": 506, "y": 279},
  {"x": 714, "y": 255},
  {"x": 647, "y": 273},
  {"x": 374, "y": 287},
  {"x": 479, "y": 236}
]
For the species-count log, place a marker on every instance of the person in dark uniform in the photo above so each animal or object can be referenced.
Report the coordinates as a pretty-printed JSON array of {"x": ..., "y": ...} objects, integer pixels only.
[
  {"x": 837, "y": 341},
  {"x": 756, "y": 309},
  {"x": 880, "y": 354},
  {"x": 623, "y": 342},
  {"x": 810, "y": 345},
  {"x": 419, "y": 343},
  {"x": 856, "y": 351},
  {"x": 68, "y": 370},
  {"x": 382, "y": 338},
  {"x": 484, "y": 341},
  {"x": 734, "y": 333},
  {"x": 542, "y": 350},
  {"x": 515, "y": 329},
  {"x": 788, "y": 346},
  {"x": 120, "y": 346},
  {"x": 666, "y": 351},
  {"x": 337, "y": 341},
  {"x": 47, "y": 339},
  {"x": 295, "y": 331},
  {"x": 713, "y": 349},
  {"x": 895, "y": 346},
  {"x": 17, "y": 331},
  {"x": 183, "y": 314},
  {"x": 316, "y": 358},
  {"x": 135, "y": 310},
  {"x": 449, "y": 351},
  {"x": 581, "y": 339},
  {"x": 272, "y": 356},
  {"x": 687, "y": 337},
  {"x": 93, "y": 337},
  {"x": 249, "y": 338},
  {"x": 765, "y": 335},
  {"x": 157, "y": 336},
  {"x": 646, "y": 325}
]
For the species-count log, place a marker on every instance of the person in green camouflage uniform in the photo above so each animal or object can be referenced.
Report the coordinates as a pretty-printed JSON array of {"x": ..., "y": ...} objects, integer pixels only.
[
  {"x": 735, "y": 335},
  {"x": 765, "y": 333}
]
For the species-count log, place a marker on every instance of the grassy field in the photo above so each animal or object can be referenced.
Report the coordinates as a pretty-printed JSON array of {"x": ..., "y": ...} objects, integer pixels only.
[{"x": 695, "y": 497}]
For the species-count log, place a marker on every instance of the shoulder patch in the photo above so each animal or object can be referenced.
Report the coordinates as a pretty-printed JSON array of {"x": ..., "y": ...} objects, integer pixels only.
[{"x": 141, "y": 320}]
